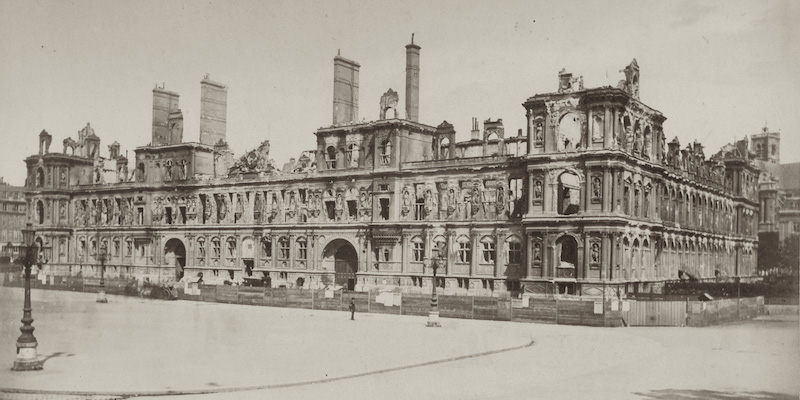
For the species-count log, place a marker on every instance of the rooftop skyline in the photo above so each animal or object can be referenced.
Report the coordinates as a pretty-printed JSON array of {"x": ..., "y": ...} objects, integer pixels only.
[{"x": 718, "y": 71}]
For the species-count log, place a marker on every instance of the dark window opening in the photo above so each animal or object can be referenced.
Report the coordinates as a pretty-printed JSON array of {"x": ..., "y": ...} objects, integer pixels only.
[
  {"x": 140, "y": 216},
  {"x": 566, "y": 288},
  {"x": 383, "y": 187},
  {"x": 384, "y": 209},
  {"x": 513, "y": 285},
  {"x": 352, "y": 208},
  {"x": 182, "y": 210},
  {"x": 169, "y": 215},
  {"x": 330, "y": 209}
]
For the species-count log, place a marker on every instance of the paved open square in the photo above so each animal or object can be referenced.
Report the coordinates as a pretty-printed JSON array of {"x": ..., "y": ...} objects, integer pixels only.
[{"x": 196, "y": 350}]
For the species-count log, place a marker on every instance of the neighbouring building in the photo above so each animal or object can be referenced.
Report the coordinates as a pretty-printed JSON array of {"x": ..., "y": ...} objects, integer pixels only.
[
  {"x": 591, "y": 198},
  {"x": 12, "y": 218},
  {"x": 779, "y": 196}
]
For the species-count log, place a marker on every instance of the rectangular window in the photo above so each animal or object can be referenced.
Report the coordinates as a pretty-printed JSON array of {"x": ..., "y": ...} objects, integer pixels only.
[
  {"x": 302, "y": 249},
  {"x": 169, "y": 215},
  {"x": 384, "y": 209},
  {"x": 266, "y": 248},
  {"x": 383, "y": 187},
  {"x": 215, "y": 248},
  {"x": 182, "y": 215},
  {"x": 140, "y": 216},
  {"x": 514, "y": 252},
  {"x": 419, "y": 210},
  {"x": 352, "y": 209},
  {"x": 488, "y": 252},
  {"x": 330, "y": 209},
  {"x": 283, "y": 246},
  {"x": 386, "y": 255},
  {"x": 464, "y": 252},
  {"x": 418, "y": 250}
]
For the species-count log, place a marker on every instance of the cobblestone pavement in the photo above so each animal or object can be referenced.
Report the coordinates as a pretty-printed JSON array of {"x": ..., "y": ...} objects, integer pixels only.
[{"x": 190, "y": 350}]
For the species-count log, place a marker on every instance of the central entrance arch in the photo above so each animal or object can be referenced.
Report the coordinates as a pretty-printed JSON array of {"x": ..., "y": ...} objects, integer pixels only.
[
  {"x": 345, "y": 262},
  {"x": 175, "y": 255}
]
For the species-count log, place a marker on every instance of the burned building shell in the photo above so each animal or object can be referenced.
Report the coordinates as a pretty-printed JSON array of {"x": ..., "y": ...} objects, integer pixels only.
[{"x": 591, "y": 197}]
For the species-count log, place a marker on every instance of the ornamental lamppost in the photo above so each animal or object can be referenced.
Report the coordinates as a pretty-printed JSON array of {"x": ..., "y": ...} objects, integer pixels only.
[
  {"x": 101, "y": 255},
  {"x": 27, "y": 359},
  {"x": 440, "y": 260}
]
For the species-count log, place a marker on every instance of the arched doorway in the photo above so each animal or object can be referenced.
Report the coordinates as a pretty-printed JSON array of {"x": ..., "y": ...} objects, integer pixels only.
[
  {"x": 175, "y": 255},
  {"x": 345, "y": 262}
]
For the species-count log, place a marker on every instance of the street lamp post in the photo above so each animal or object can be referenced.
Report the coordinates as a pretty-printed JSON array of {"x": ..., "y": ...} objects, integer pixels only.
[
  {"x": 433, "y": 314},
  {"x": 101, "y": 255},
  {"x": 27, "y": 359}
]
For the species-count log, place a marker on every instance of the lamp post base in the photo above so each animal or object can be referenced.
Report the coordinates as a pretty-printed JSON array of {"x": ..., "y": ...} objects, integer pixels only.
[
  {"x": 433, "y": 319},
  {"x": 101, "y": 297},
  {"x": 27, "y": 359}
]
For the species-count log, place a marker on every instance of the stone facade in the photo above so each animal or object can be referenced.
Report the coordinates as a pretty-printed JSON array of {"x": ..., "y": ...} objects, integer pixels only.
[
  {"x": 12, "y": 218},
  {"x": 590, "y": 200}
]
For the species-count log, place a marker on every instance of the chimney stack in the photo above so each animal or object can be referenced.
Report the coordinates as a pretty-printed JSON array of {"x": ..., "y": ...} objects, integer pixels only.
[
  {"x": 213, "y": 111},
  {"x": 345, "y": 90},
  {"x": 165, "y": 111},
  {"x": 475, "y": 134},
  {"x": 412, "y": 81}
]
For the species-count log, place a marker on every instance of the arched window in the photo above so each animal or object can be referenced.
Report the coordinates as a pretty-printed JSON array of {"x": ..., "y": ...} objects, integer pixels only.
[
  {"x": 40, "y": 212},
  {"x": 40, "y": 177},
  {"x": 330, "y": 157},
  {"x": 266, "y": 247},
  {"x": 140, "y": 172},
  {"x": 487, "y": 250},
  {"x": 444, "y": 149},
  {"x": 418, "y": 249},
  {"x": 201, "y": 251},
  {"x": 352, "y": 155},
  {"x": 569, "y": 132},
  {"x": 302, "y": 248},
  {"x": 386, "y": 151},
  {"x": 215, "y": 249},
  {"x": 514, "y": 250},
  {"x": 464, "y": 249},
  {"x": 568, "y": 193},
  {"x": 283, "y": 248}
]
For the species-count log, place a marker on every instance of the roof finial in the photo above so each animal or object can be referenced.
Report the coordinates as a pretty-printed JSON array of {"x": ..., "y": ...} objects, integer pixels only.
[{"x": 412, "y": 38}]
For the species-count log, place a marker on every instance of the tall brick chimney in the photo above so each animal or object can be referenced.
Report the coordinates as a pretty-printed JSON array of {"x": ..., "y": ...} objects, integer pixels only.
[
  {"x": 345, "y": 90},
  {"x": 213, "y": 111},
  {"x": 412, "y": 81},
  {"x": 165, "y": 114}
]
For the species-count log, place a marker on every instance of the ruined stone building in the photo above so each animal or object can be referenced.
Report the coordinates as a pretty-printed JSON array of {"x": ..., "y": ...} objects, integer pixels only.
[{"x": 591, "y": 196}]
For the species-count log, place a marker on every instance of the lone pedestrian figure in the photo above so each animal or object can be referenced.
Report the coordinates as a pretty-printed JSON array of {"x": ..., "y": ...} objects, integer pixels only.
[{"x": 352, "y": 308}]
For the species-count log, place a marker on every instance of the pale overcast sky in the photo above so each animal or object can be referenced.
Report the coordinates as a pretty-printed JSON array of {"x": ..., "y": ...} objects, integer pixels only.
[{"x": 717, "y": 70}]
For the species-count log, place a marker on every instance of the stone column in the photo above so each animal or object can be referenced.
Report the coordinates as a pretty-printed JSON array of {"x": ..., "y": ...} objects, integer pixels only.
[
  {"x": 404, "y": 252},
  {"x": 584, "y": 269},
  {"x": 473, "y": 265},
  {"x": 528, "y": 254},
  {"x": 608, "y": 179},
  {"x": 499, "y": 253},
  {"x": 292, "y": 250},
  {"x": 607, "y": 128}
]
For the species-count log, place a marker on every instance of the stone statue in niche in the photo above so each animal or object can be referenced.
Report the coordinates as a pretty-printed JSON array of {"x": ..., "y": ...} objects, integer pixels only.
[
  {"x": 62, "y": 210},
  {"x": 596, "y": 188},
  {"x": 637, "y": 141},
  {"x": 406, "y": 202},
  {"x": 537, "y": 190},
  {"x": 339, "y": 206},
  {"x": 595, "y": 253},
  {"x": 475, "y": 200},
  {"x": 444, "y": 203},
  {"x": 500, "y": 199},
  {"x": 428, "y": 203},
  {"x": 646, "y": 146},
  {"x": 538, "y": 132},
  {"x": 537, "y": 253}
]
